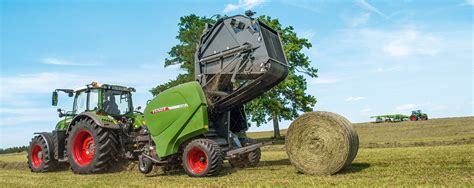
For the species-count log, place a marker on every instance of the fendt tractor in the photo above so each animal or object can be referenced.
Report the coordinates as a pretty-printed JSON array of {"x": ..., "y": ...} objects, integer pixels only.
[
  {"x": 418, "y": 115},
  {"x": 197, "y": 124}
]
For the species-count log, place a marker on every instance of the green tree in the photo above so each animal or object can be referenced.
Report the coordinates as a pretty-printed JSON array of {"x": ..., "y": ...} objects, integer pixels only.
[
  {"x": 190, "y": 30},
  {"x": 284, "y": 101}
]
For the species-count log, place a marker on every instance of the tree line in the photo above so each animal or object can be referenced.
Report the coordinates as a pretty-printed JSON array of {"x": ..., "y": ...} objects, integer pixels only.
[{"x": 16, "y": 149}]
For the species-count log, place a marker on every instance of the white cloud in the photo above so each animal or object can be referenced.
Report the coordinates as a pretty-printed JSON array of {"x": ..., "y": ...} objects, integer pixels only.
[
  {"x": 58, "y": 61},
  {"x": 439, "y": 107},
  {"x": 39, "y": 83},
  {"x": 307, "y": 34},
  {"x": 406, "y": 107},
  {"x": 364, "y": 4},
  {"x": 16, "y": 116},
  {"x": 365, "y": 110},
  {"x": 470, "y": 2},
  {"x": 407, "y": 41},
  {"x": 351, "y": 98},
  {"x": 389, "y": 69},
  {"x": 411, "y": 42},
  {"x": 362, "y": 19},
  {"x": 325, "y": 80},
  {"x": 242, "y": 4}
]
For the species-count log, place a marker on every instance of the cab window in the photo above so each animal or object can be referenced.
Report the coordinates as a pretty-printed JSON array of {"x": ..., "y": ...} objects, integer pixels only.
[
  {"x": 93, "y": 99},
  {"x": 86, "y": 101},
  {"x": 81, "y": 102}
]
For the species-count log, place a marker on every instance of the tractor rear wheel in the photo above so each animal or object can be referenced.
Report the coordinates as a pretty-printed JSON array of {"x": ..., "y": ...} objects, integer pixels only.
[
  {"x": 40, "y": 155},
  {"x": 201, "y": 158},
  {"x": 413, "y": 118},
  {"x": 90, "y": 148},
  {"x": 249, "y": 159}
]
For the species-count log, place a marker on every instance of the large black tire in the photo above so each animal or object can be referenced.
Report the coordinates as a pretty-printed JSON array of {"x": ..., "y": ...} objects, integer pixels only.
[
  {"x": 40, "y": 155},
  {"x": 88, "y": 156},
  {"x": 201, "y": 158},
  {"x": 249, "y": 159}
]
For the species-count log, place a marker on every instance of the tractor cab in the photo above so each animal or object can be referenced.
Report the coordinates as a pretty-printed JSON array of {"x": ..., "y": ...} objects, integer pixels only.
[{"x": 104, "y": 99}]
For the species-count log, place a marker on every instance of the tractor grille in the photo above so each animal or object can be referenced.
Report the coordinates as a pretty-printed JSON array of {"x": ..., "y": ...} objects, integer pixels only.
[{"x": 273, "y": 44}]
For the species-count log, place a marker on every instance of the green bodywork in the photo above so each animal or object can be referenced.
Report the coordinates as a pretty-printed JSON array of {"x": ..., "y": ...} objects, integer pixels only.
[
  {"x": 63, "y": 124},
  {"x": 175, "y": 116},
  {"x": 172, "y": 117}
]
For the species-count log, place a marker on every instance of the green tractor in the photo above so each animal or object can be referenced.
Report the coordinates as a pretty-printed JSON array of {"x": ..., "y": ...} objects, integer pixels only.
[{"x": 418, "y": 115}]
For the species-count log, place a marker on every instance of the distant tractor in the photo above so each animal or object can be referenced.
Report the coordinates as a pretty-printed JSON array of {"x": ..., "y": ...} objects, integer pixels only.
[{"x": 418, "y": 115}]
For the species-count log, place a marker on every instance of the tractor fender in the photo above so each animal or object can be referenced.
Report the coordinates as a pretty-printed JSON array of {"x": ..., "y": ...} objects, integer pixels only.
[
  {"x": 102, "y": 121},
  {"x": 49, "y": 142}
]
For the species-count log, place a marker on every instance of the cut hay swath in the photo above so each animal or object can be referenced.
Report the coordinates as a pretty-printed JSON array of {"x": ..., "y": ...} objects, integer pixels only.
[{"x": 321, "y": 143}]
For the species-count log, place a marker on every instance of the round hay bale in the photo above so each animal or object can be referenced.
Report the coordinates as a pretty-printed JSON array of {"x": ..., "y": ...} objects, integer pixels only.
[{"x": 321, "y": 143}]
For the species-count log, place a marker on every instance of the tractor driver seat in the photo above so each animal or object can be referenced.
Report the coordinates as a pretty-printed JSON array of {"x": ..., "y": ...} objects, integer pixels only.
[{"x": 110, "y": 106}]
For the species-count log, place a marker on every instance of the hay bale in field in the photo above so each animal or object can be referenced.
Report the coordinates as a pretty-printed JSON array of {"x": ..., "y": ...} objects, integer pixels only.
[{"x": 321, "y": 143}]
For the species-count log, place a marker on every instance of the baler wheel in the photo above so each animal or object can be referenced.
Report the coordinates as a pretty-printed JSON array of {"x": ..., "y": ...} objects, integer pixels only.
[
  {"x": 39, "y": 157},
  {"x": 201, "y": 158},
  {"x": 90, "y": 148}
]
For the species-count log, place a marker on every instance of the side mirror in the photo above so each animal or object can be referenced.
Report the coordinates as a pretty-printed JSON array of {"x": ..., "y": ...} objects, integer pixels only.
[
  {"x": 138, "y": 108},
  {"x": 55, "y": 98}
]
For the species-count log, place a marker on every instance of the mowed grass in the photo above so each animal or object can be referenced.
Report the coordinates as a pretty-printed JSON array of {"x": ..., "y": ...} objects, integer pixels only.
[
  {"x": 446, "y": 159},
  {"x": 440, "y": 165}
]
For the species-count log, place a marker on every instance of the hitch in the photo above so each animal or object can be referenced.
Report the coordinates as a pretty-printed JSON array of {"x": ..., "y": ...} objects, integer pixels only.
[{"x": 236, "y": 152}]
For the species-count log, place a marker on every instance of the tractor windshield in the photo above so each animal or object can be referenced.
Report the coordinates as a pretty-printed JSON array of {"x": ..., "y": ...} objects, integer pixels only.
[{"x": 116, "y": 102}]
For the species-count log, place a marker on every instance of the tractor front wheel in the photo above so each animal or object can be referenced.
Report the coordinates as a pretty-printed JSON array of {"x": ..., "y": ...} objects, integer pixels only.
[
  {"x": 40, "y": 156},
  {"x": 90, "y": 148},
  {"x": 201, "y": 158}
]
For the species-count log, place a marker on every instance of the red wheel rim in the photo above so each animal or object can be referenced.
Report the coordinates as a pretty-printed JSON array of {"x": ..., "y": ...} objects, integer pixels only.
[
  {"x": 413, "y": 118},
  {"x": 83, "y": 148},
  {"x": 36, "y": 155},
  {"x": 197, "y": 160}
]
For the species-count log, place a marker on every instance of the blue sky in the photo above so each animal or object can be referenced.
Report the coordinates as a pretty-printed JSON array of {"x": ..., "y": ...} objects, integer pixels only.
[{"x": 374, "y": 57}]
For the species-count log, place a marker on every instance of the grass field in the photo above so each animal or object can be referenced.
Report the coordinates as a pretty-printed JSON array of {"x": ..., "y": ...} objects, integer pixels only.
[{"x": 445, "y": 159}]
